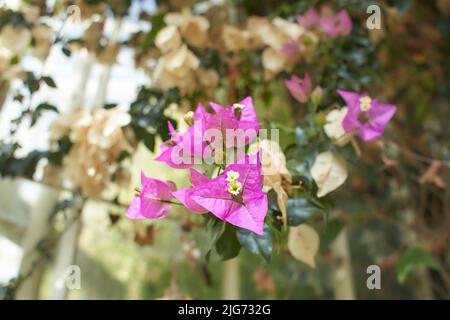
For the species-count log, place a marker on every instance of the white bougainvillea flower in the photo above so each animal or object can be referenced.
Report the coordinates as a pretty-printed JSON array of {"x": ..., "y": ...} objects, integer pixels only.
[
  {"x": 14, "y": 40},
  {"x": 98, "y": 139},
  {"x": 177, "y": 69},
  {"x": 193, "y": 28},
  {"x": 288, "y": 29},
  {"x": 43, "y": 40},
  {"x": 334, "y": 129},
  {"x": 303, "y": 244},
  {"x": 207, "y": 78},
  {"x": 30, "y": 12},
  {"x": 258, "y": 27},
  {"x": 274, "y": 169},
  {"x": 236, "y": 39},
  {"x": 273, "y": 159},
  {"x": 273, "y": 61},
  {"x": 329, "y": 172},
  {"x": 168, "y": 39}
]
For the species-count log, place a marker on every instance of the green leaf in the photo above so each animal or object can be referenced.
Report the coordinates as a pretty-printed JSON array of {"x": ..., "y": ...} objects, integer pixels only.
[
  {"x": 257, "y": 244},
  {"x": 299, "y": 210},
  {"x": 301, "y": 137},
  {"x": 66, "y": 51},
  {"x": 46, "y": 107},
  {"x": 123, "y": 155},
  {"x": 31, "y": 82},
  {"x": 227, "y": 245},
  {"x": 14, "y": 60},
  {"x": 24, "y": 167},
  {"x": 332, "y": 230},
  {"x": 49, "y": 81},
  {"x": 414, "y": 258}
]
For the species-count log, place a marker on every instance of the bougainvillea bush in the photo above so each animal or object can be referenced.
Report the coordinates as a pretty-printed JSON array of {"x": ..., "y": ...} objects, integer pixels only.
[{"x": 303, "y": 140}]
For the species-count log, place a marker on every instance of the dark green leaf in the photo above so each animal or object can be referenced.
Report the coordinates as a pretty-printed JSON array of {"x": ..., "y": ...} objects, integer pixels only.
[
  {"x": 300, "y": 137},
  {"x": 299, "y": 210},
  {"x": 414, "y": 258},
  {"x": 332, "y": 230},
  {"x": 46, "y": 107},
  {"x": 123, "y": 155},
  {"x": 66, "y": 51},
  {"x": 14, "y": 60},
  {"x": 227, "y": 245},
  {"x": 49, "y": 81},
  {"x": 257, "y": 244}
]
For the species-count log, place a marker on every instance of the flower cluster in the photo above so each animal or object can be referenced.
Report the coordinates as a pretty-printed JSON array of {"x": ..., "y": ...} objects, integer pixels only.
[
  {"x": 179, "y": 66},
  {"x": 235, "y": 194},
  {"x": 362, "y": 116},
  {"x": 97, "y": 139},
  {"x": 283, "y": 43},
  {"x": 210, "y": 134},
  {"x": 23, "y": 34}
]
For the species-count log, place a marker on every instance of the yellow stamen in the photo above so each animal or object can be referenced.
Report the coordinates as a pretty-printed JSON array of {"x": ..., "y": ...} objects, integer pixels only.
[
  {"x": 365, "y": 103},
  {"x": 234, "y": 187}
]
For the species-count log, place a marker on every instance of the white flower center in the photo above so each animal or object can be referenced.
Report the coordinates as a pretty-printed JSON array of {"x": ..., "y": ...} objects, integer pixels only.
[
  {"x": 365, "y": 103},
  {"x": 238, "y": 106},
  {"x": 234, "y": 187},
  {"x": 232, "y": 176}
]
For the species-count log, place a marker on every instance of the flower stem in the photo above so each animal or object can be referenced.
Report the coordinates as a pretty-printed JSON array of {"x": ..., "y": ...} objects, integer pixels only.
[{"x": 356, "y": 147}]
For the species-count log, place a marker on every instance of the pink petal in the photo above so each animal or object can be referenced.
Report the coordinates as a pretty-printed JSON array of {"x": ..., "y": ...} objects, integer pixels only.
[
  {"x": 309, "y": 19},
  {"x": 134, "y": 210},
  {"x": 299, "y": 88},
  {"x": 154, "y": 196},
  {"x": 251, "y": 213},
  {"x": 184, "y": 196},
  {"x": 197, "y": 177},
  {"x": 291, "y": 48},
  {"x": 216, "y": 107},
  {"x": 172, "y": 130},
  {"x": 200, "y": 113},
  {"x": 379, "y": 116},
  {"x": 368, "y": 133},
  {"x": 340, "y": 24},
  {"x": 351, "y": 98}
]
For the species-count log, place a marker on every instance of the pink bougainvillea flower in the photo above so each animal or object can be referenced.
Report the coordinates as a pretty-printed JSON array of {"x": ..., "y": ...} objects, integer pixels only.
[
  {"x": 184, "y": 194},
  {"x": 310, "y": 19},
  {"x": 338, "y": 25},
  {"x": 239, "y": 120},
  {"x": 183, "y": 150},
  {"x": 237, "y": 125},
  {"x": 299, "y": 88},
  {"x": 366, "y": 117},
  {"x": 331, "y": 24},
  {"x": 291, "y": 48},
  {"x": 235, "y": 196},
  {"x": 153, "y": 201}
]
